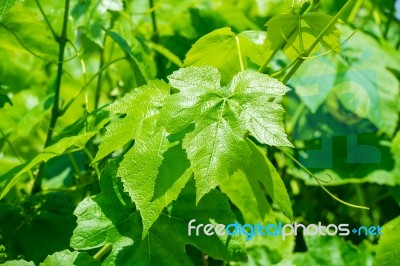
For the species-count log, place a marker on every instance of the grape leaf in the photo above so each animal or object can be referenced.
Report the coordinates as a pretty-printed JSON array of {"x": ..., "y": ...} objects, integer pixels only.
[
  {"x": 9, "y": 179},
  {"x": 67, "y": 257},
  {"x": 138, "y": 105},
  {"x": 155, "y": 181},
  {"x": 246, "y": 188},
  {"x": 108, "y": 219},
  {"x": 222, "y": 48},
  {"x": 388, "y": 251},
  {"x": 296, "y": 33},
  {"x": 222, "y": 116}
]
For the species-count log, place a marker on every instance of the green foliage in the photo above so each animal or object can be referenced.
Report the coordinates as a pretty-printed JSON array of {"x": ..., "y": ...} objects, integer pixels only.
[
  {"x": 109, "y": 218},
  {"x": 103, "y": 164}
]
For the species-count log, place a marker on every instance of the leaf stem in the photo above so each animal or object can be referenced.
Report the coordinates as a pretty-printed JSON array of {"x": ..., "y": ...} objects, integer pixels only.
[
  {"x": 317, "y": 40},
  {"x": 103, "y": 251},
  {"x": 55, "y": 112},
  {"x": 239, "y": 53}
]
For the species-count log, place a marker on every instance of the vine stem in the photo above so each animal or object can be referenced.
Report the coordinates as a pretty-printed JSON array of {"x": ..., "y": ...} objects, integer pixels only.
[
  {"x": 55, "y": 111},
  {"x": 328, "y": 27},
  {"x": 320, "y": 183},
  {"x": 156, "y": 38}
]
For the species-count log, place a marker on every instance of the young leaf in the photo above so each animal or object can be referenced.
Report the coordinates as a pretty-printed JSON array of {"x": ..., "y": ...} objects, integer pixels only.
[
  {"x": 9, "y": 179},
  {"x": 222, "y": 116},
  {"x": 222, "y": 49},
  {"x": 104, "y": 219},
  {"x": 295, "y": 33},
  {"x": 138, "y": 105}
]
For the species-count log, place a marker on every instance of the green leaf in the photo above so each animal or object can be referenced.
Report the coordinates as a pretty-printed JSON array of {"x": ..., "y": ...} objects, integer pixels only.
[
  {"x": 19, "y": 28},
  {"x": 388, "y": 252},
  {"x": 249, "y": 185},
  {"x": 69, "y": 258},
  {"x": 150, "y": 173},
  {"x": 105, "y": 218},
  {"x": 10, "y": 178},
  {"x": 296, "y": 33},
  {"x": 263, "y": 118},
  {"x": 222, "y": 48},
  {"x": 123, "y": 44},
  {"x": 138, "y": 105},
  {"x": 221, "y": 116},
  {"x": 4, "y": 99},
  {"x": 5, "y": 6}
]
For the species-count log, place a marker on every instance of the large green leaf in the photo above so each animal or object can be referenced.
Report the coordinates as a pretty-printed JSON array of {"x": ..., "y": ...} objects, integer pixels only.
[
  {"x": 138, "y": 105},
  {"x": 108, "y": 218},
  {"x": 222, "y": 116},
  {"x": 222, "y": 49},
  {"x": 388, "y": 252},
  {"x": 296, "y": 33},
  {"x": 249, "y": 185},
  {"x": 69, "y": 144},
  {"x": 151, "y": 174}
]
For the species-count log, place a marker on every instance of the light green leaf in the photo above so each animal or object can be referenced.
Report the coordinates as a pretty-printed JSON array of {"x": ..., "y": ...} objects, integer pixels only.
[
  {"x": 69, "y": 144},
  {"x": 138, "y": 105},
  {"x": 296, "y": 33},
  {"x": 263, "y": 118},
  {"x": 69, "y": 258},
  {"x": 388, "y": 252},
  {"x": 106, "y": 219},
  {"x": 150, "y": 173},
  {"x": 222, "y": 48},
  {"x": 221, "y": 117}
]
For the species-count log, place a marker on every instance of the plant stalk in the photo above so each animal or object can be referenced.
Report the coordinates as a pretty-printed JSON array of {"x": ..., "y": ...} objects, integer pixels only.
[
  {"x": 55, "y": 111},
  {"x": 331, "y": 24}
]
